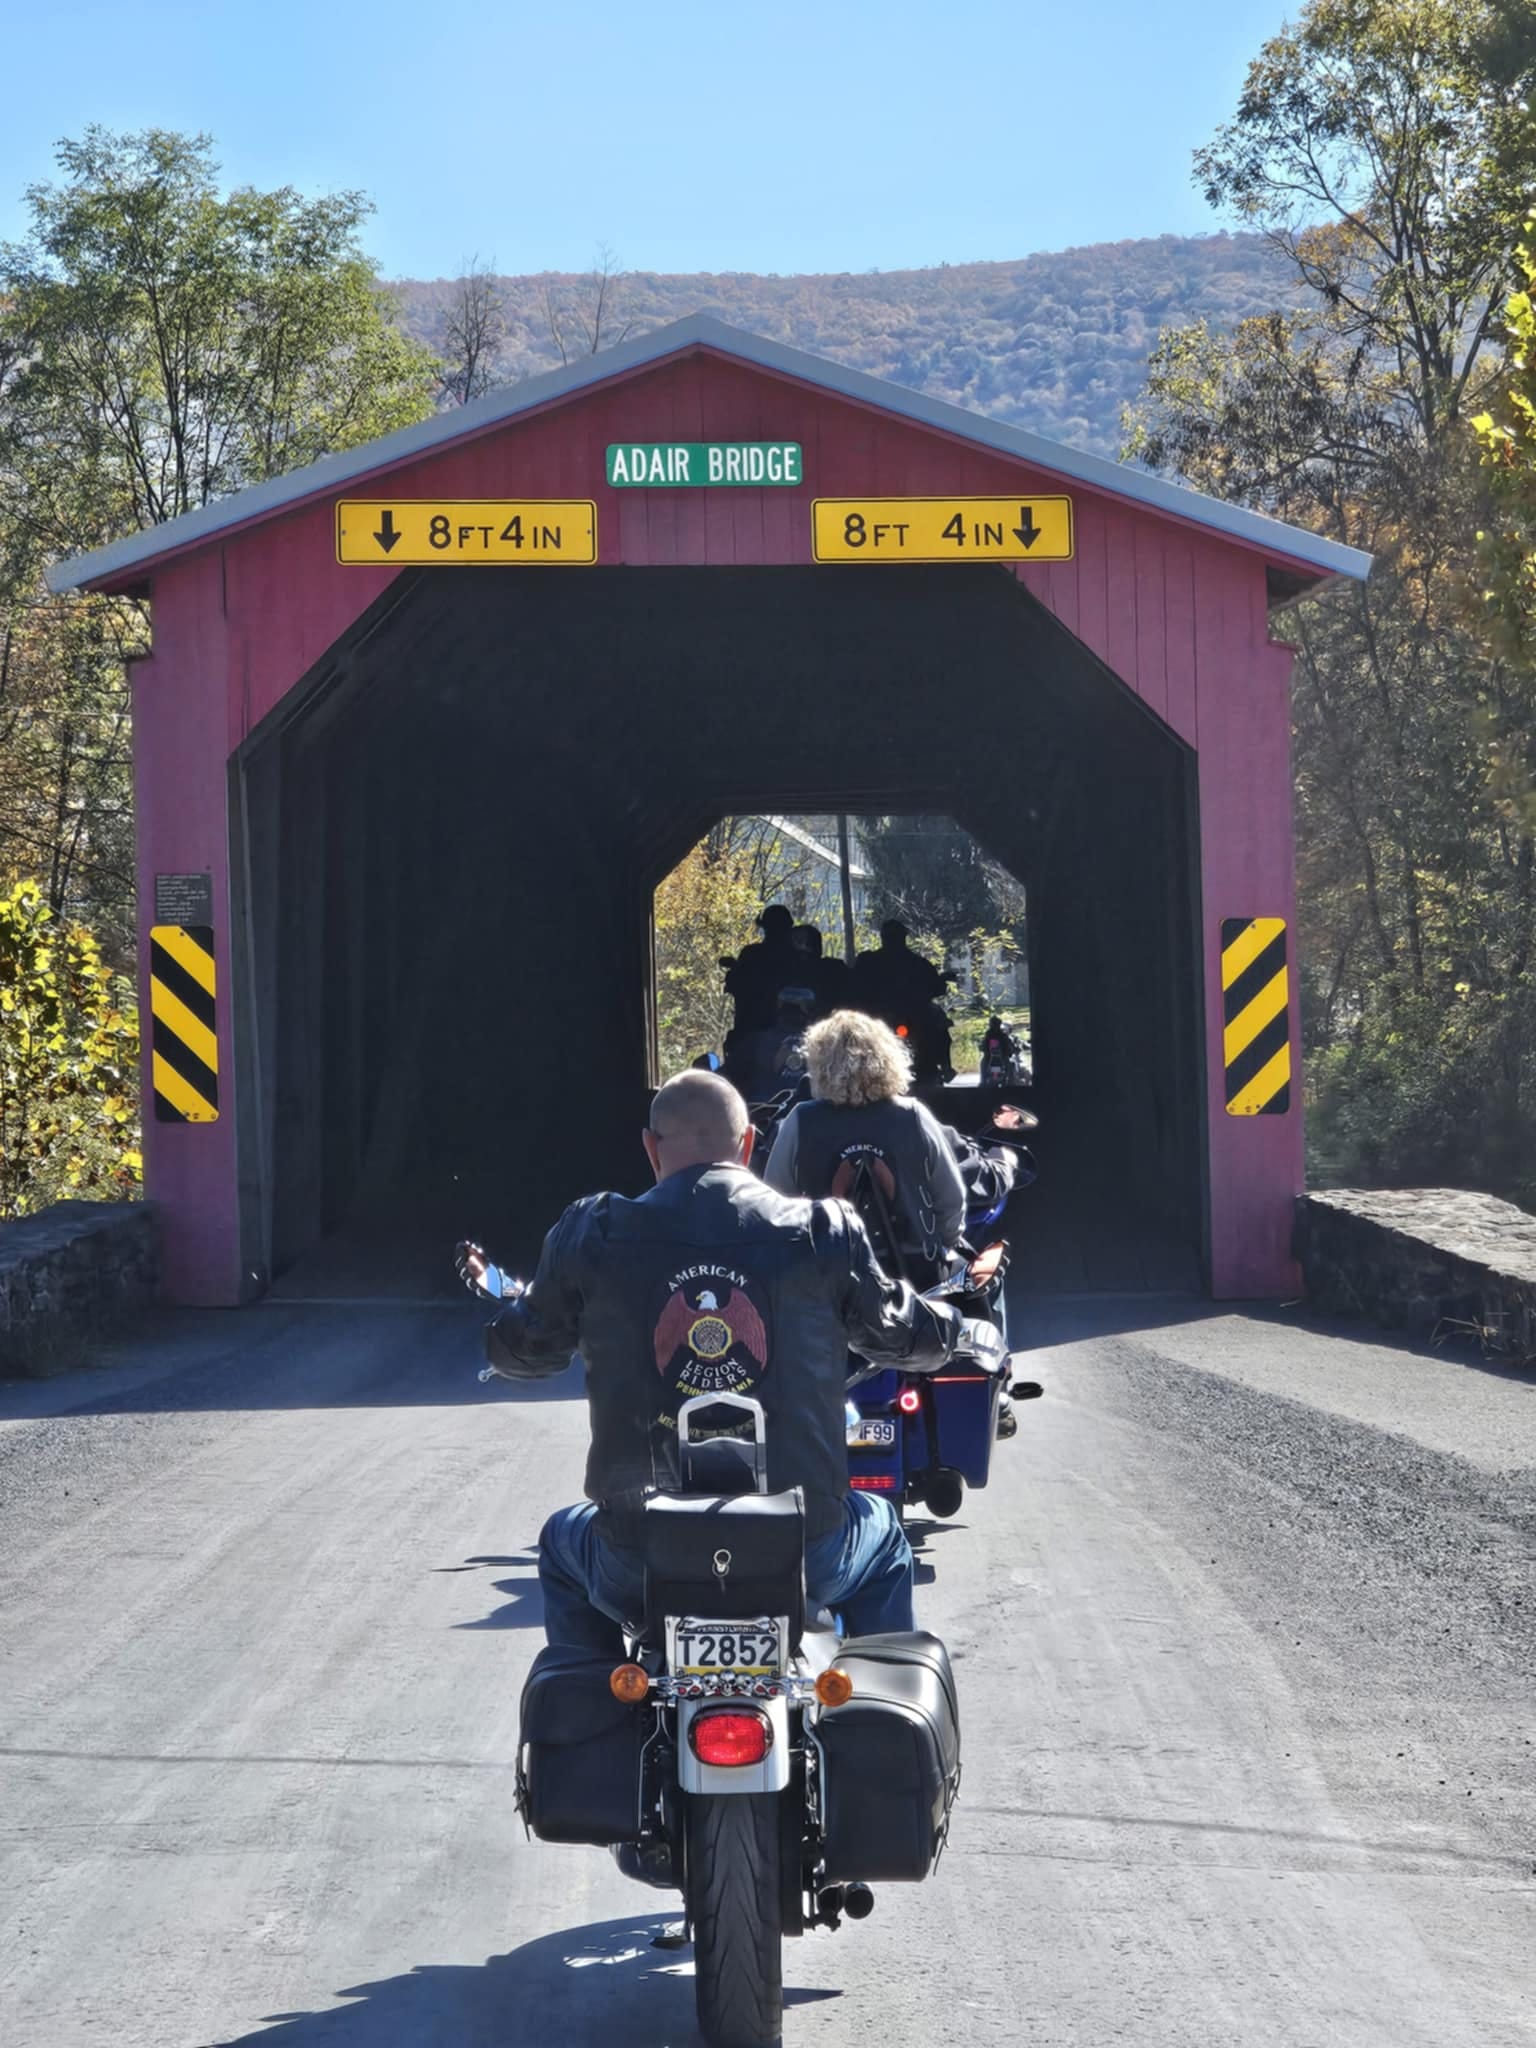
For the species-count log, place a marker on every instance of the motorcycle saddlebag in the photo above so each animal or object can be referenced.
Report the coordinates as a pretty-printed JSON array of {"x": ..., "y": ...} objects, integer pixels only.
[
  {"x": 965, "y": 1406},
  {"x": 581, "y": 1750},
  {"x": 758, "y": 1539},
  {"x": 891, "y": 1760}
]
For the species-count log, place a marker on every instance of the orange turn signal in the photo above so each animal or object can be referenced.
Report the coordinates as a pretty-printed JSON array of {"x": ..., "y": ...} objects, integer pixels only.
[
  {"x": 834, "y": 1688},
  {"x": 629, "y": 1683}
]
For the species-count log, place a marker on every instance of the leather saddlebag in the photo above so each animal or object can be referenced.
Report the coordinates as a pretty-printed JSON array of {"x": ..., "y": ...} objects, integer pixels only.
[
  {"x": 580, "y": 1778},
  {"x": 891, "y": 1760}
]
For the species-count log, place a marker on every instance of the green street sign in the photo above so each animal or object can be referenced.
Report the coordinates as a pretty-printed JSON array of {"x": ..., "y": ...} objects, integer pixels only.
[{"x": 674, "y": 465}]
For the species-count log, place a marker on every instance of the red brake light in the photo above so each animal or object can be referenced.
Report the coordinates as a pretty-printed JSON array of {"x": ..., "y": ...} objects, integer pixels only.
[
  {"x": 730, "y": 1736},
  {"x": 909, "y": 1401},
  {"x": 874, "y": 1482}
]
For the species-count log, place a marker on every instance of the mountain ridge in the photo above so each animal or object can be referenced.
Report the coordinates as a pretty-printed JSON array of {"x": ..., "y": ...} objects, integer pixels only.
[{"x": 1056, "y": 342}]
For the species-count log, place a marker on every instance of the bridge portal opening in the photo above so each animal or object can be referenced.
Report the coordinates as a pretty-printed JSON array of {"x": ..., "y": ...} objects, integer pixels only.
[
  {"x": 966, "y": 912},
  {"x": 449, "y": 836}
]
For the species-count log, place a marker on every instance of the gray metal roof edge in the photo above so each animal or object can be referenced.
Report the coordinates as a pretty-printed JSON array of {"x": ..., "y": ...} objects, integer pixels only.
[
  {"x": 1256, "y": 529},
  {"x": 406, "y": 444}
]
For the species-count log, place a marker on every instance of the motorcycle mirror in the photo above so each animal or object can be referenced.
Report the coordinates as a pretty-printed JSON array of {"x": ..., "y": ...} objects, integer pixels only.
[
  {"x": 1026, "y": 1390},
  {"x": 482, "y": 1277},
  {"x": 1010, "y": 1117},
  {"x": 982, "y": 1270}
]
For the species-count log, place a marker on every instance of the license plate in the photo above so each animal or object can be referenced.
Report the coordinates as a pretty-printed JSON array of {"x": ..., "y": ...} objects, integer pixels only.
[
  {"x": 869, "y": 1435},
  {"x": 746, "y": 1649}
]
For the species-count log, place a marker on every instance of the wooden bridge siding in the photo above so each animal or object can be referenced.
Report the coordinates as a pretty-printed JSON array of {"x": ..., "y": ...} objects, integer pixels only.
[{"x": 1176, "y": 612}]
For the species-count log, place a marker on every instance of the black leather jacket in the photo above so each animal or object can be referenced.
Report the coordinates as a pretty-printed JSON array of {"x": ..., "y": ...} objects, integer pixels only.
[{"x": 712, "y": 1283}]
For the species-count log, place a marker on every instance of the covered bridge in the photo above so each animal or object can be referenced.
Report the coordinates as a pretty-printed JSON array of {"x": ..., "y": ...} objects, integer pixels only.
[{"x": 425, "y": 723}]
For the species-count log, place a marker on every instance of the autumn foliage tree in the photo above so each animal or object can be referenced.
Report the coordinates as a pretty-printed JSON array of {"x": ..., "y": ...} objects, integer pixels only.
[
  {"x": 1386, "y": 148},
  {"x": 68, "y": 1054},
  {"x": 706, "y": 910},
  {"x": 1507, "y": 434}
]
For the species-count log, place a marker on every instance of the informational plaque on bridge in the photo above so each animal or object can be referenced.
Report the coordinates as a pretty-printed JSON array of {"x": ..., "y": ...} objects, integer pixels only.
[{"x": 184, "y": 899}]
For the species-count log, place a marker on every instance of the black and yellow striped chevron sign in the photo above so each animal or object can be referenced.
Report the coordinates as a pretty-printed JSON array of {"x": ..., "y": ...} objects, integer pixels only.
[
  {"x": 182, "y": 988},
  {"x": 1256, "y": 1001}
]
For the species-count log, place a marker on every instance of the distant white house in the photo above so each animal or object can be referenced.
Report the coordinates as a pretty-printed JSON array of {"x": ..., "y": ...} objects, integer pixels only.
[
  {"x": 811, "y": 878},
  {"x": 808, "y": 882}
]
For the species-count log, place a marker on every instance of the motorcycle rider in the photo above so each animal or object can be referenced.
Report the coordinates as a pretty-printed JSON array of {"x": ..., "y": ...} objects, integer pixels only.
[
  {"x": 827, "y": 976},
  {"x": 712, "y": 1283},
  {"x": 862, "y": 1123},
  {"x": 997, "y": 1040},
  {"x": 892, "y": 980},
  {"x": 753, "y": 979}
]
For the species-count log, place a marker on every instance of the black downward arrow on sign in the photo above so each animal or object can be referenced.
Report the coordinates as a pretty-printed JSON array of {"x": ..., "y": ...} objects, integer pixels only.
[
  {"x": 1026, "y": 531},
  {"x": 386, "y": 535}
]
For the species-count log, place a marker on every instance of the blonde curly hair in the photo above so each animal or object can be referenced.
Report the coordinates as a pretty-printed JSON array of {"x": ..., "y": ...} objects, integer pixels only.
[{"x": 854, "y": 1060}]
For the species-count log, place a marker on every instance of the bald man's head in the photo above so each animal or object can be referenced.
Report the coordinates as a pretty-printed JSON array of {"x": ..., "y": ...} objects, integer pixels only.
[{"x": 697, "y": 1120}]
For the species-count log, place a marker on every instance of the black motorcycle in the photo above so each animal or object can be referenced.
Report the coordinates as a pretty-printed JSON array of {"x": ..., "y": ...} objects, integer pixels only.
[
  {"x": 744, "y": 1752},
  {"x": 1002, "y": 1062}
]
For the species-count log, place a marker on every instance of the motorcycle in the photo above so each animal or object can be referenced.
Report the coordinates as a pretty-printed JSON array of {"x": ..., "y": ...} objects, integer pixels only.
[
  {"x": 1002, "y": 1063},
  {"x": 744, "y": 1751},
  {"x": 925, "y": 1438}
]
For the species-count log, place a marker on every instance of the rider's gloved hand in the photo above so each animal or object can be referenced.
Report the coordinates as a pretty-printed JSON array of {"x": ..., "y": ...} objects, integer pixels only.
[
  {"x": 471, "y": 1264},
  {"x": 982, "y": 1342}
]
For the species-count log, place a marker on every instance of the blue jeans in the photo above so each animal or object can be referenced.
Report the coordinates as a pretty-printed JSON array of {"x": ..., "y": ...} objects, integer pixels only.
[{"x": 863, "y": 1571}]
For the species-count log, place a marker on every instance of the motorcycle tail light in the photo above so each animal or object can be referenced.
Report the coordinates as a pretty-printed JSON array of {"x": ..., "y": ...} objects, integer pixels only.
[
  {"x": 875, "y": 1482},
  {"x": 730, "y": 1736},
  {"x": 910, "y": 1401}
]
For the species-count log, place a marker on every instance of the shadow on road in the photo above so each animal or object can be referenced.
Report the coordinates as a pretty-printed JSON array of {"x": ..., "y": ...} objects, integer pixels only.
[
  {"x": 524, "y": 1606},
  {"x": 209, "y": 1361},
  {"x": 586, "y": 1988}
]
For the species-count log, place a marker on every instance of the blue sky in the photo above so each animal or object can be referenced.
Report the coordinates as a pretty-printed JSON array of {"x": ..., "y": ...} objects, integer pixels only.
[{"x": 685, "y": 136}]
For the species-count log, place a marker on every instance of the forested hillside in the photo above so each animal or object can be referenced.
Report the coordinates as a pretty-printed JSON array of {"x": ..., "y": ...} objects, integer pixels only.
[{"x": 1057, "y": 343}]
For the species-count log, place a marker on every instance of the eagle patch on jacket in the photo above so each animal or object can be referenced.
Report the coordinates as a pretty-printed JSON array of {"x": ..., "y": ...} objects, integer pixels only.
[{"x": 711, "y": 1334}]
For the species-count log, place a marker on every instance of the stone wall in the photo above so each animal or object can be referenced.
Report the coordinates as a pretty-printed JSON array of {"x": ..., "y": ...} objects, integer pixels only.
[
  {"x": 67, "y": 1275},
  {"x": 1434, "y": 1260}
]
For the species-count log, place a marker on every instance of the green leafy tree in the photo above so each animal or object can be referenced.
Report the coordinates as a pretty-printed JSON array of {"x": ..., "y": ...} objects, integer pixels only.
[
  {"x": 163, "y": 343},
  {"x": 1382, "y": 146},
  {"x": 931, "y": 873},
  {"x": 65, "y": 781},
  {"x": 68, "y": 1051}
]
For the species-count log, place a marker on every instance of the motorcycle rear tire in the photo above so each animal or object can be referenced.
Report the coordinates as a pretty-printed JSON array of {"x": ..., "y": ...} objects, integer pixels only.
[{"x": 735, "y": 1906}]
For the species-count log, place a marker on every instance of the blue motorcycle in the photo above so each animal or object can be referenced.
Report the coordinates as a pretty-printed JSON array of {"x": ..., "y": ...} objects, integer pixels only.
[{"x": 925, "y": 1437}]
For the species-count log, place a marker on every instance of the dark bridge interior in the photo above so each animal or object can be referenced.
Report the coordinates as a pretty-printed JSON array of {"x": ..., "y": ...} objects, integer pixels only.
[{"x": 452, "y": 832}]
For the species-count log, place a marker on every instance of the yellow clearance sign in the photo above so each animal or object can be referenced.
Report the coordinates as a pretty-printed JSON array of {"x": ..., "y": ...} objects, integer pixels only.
[
  {"x": 394, "y": 531},
  {"x": 1022, "y": 529}
]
